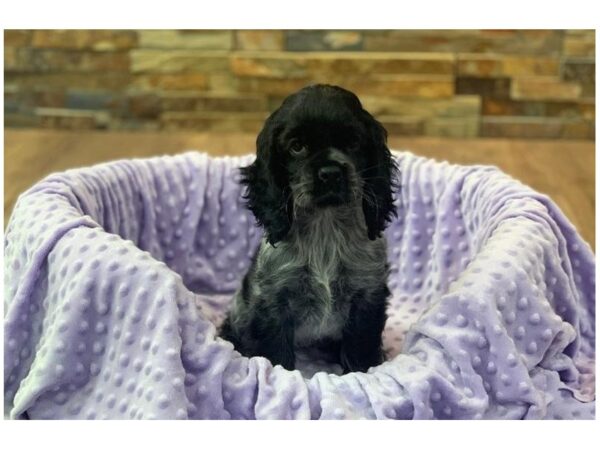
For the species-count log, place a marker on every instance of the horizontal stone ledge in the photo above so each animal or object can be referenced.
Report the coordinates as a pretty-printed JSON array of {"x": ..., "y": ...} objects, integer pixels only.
[
  {"x": 259, "y": 39},
  {"x": 544, "y": 88},
  {"x": 584, "y": 108},
  {"x": 172, "y": 81},
  {"x": 11, "y": 88},
  {"x": 65, "y": 112},
  {"x": 98, "y": 40},
  {"x": 159, "y": 60},
  {"x": 541, "y": 42},
  {"x": 481, "y": 65},
  {"x": 579, "y": 43},
  {"x": 244, "y": 61},
  {"x": 75, "y": 119},
  {"x": 17, "y": 38},
  {"x": 252, "y": 122},
  {"x": 457, "y": 106},
  {"x": 431, "y": 56},
  {"x": 319, "y": 40},
  {"x": 93, "y": 80},
  {"x": 409, "y": 86},
  {"x": 18, "y": 119},
  {"x": 485, "y": 87},
  {"x": 582, "y": 71},
  {"x": 188, "y": 39},
  {"x": 537, "y": 127},
  {"x": 34, "y": 60},
  {"x": 47, "y": 97},
  {"x": 534, "y": 120},
  {"x": 213, "y": 101},
  {"x": 277, "y": 64},
  {"x": 589, "y": 34}
]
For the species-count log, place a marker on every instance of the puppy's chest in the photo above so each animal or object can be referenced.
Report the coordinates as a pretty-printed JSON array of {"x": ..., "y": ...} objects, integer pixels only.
[
  {"x": 322, "y": 308},
  {"x": 321, "y": 324},
  {"x": 320, "y": 274}
]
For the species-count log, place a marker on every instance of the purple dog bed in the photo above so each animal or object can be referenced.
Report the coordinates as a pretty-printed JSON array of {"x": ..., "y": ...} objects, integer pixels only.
[{"x": 116, "y": 276}]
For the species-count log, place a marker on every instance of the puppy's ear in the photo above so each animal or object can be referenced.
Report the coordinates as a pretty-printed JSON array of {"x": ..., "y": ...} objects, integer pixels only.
[
  {"x": 268, "y": 193},
  {"x": 380, "y": 179}
]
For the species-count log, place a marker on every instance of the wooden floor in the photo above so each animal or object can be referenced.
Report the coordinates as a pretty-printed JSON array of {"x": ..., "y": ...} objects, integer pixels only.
[{"x": 565, "y": 170}]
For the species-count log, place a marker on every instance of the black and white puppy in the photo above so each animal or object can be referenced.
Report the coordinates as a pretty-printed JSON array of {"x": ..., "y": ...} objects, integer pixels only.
[{"x": 321, "y": 186}]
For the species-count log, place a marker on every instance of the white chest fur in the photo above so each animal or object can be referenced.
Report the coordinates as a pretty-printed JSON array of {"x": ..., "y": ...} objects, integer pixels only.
[
  {"x": 329, "y": 325},
  {"x": 330, "y": 242}
]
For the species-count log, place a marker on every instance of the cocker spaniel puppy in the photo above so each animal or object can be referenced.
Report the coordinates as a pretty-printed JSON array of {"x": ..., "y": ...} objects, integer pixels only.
[{"x": 321, "y": 186}]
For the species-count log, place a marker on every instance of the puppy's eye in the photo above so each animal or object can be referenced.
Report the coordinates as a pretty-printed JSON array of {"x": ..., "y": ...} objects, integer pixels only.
[{"x": 297, "y": 149}]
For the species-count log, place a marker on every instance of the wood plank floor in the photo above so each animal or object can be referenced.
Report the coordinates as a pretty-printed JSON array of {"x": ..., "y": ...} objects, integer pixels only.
[{"x": 565, "y": 170}]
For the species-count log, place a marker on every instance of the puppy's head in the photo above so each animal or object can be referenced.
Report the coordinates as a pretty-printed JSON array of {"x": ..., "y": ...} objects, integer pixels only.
[{"x": 320, "y": 149}]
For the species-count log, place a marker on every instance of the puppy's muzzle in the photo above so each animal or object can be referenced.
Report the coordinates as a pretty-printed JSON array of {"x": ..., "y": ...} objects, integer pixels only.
[
  {"x": 331, "y": 185},
  {"x": 330, "y": 175}
]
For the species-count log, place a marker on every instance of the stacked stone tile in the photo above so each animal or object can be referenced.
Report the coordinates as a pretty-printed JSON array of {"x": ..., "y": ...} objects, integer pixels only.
[{"x": 463, "y": 83}]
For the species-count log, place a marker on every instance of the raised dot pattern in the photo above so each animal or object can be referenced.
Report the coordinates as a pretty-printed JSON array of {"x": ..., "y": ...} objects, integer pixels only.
[{"x": 117, "y": 275}]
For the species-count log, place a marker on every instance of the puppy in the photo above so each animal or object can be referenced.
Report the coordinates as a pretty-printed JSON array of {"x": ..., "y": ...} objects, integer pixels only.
[{"x": 321, "y": 187}]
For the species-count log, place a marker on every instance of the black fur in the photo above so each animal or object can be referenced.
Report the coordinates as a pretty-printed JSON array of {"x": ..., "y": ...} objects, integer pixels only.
[
  {"x": 380, "y": 180},
  {"x": 320, "y": 276},
  {"x": 267, "y": 184}
]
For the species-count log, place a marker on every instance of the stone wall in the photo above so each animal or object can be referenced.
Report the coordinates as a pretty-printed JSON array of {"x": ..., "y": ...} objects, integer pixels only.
[{"x": 463, "y": 83}]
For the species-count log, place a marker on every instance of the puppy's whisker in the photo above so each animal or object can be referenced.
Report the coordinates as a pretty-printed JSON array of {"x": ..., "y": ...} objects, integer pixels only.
[
  {"x": 371, "y": 198},
  {"x": 375, "y": 178},
  {"x": 364, "y": 169},
  {"x": 301, "y": 185},
  {"x": 370, "y": 195}
]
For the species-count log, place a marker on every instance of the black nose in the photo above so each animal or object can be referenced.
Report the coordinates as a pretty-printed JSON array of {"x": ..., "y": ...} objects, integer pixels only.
[{"x": 330, "y": 174}]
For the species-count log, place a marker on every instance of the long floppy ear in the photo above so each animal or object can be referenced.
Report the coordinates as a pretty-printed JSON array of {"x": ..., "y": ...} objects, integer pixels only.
[
  {"x": 380, "y": 179},
  {"x": 268, "y": 193}
]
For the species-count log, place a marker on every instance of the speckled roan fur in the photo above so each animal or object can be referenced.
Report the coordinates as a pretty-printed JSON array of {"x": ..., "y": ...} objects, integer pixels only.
[{"x": 319, "y": 276}]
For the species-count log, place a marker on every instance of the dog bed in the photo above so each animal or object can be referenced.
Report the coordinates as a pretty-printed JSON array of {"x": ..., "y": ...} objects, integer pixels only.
[{"x": 117, "y": 275}]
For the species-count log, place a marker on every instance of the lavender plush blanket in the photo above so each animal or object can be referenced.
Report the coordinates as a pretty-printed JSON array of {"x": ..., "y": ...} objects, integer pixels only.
[{"x": 116, "y": 276}]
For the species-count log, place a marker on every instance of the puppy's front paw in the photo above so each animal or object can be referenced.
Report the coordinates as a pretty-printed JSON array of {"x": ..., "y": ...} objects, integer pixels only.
[
  {"x": 282, "y": 356},
  {"x": 288, "y": 365},
  {"x": 352, "y": 361}
]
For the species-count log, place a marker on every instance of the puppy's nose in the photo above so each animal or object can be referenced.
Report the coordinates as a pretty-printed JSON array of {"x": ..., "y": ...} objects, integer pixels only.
[{"x": 330, "y": 174}]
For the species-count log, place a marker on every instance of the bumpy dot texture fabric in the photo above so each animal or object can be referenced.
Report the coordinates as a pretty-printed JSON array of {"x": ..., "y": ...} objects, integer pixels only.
[{"x": 118, "y": 274}]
